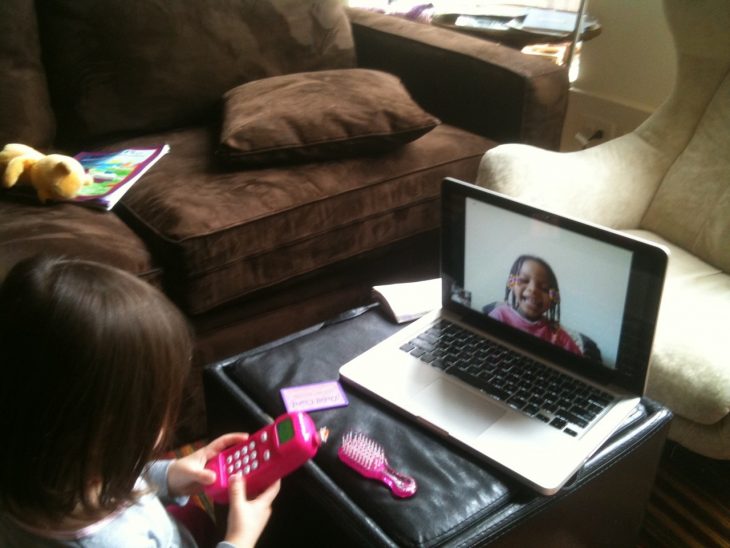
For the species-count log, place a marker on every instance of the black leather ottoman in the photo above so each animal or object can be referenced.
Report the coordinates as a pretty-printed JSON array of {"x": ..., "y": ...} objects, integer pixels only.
[{"x": 460, "y": 502}]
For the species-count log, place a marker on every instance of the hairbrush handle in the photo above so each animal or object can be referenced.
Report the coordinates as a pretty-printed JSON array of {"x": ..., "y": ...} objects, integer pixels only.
[{"x": 401, "y": 485}]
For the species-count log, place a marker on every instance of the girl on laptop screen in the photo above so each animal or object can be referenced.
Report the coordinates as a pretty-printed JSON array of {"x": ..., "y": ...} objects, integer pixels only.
[{"x": 532, "y": 304}]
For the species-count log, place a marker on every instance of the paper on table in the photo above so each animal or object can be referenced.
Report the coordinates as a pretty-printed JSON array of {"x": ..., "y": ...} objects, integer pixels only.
[
  {"x": 313, "y": 397},
  {"x": 546, "y": 20},
  {"x": 407, "y": 301}
]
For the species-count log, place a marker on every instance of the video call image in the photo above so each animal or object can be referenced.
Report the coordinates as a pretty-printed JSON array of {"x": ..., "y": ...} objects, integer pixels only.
[{"x": 554, "y": 284}]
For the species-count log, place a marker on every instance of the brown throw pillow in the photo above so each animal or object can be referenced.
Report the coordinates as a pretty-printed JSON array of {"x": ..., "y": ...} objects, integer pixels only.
[{"x": 320, "y": 115}]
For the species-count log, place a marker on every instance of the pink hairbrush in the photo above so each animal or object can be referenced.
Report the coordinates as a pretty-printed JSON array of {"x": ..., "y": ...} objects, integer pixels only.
[{"x": 367, "y": 457}]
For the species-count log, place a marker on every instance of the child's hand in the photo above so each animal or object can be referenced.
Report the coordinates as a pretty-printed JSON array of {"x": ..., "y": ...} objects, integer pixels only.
[
  {"x": 188, "y": 475},
  {"x": 247, "y": 518}
]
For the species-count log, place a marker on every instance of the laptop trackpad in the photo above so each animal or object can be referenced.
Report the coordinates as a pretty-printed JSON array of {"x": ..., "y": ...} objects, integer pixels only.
[{"x": 459, "y": 411}]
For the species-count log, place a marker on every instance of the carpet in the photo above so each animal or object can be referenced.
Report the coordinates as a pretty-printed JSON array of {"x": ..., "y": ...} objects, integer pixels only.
[{"x": 690, "y": 502}]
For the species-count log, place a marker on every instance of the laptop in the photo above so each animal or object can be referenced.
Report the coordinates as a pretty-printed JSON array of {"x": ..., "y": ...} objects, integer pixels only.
[{"x": 540, "y": 349}]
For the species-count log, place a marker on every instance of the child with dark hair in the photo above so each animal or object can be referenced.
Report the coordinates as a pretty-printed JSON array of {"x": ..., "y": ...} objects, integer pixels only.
[
  {"x": 532, "y": 302},
  {"x": 94, "y": 361}
]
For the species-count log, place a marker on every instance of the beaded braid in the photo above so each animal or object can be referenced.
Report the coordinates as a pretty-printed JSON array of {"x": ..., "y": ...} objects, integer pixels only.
[{"x": 553, "y": 313}]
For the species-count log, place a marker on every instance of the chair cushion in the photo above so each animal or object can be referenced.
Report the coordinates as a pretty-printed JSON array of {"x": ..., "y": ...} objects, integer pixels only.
[
  {"x": 319, "y": 115},
  {"x": 692, "y": 329},
  {"x": 185, "y": 55},
  {"x": 26, "y": 109},
  {"x": 227, "y": 233},
  {"x": 74, "y": 231},
  {"x": 692, "y": 206}
]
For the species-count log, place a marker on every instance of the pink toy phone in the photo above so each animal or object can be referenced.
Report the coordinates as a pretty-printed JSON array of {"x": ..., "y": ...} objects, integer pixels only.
[{"x": 269, "y": 454}]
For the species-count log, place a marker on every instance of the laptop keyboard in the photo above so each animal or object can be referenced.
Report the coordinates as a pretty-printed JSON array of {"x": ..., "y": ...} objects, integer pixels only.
[{"x": 524, "y": 384}]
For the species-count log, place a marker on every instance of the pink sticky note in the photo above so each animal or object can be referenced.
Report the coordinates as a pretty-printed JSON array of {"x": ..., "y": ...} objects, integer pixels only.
[{"x": 311, "y": 397}]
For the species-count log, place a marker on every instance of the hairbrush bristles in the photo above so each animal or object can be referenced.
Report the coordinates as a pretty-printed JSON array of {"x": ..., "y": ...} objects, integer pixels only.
[{"x": 367, "y": 457}]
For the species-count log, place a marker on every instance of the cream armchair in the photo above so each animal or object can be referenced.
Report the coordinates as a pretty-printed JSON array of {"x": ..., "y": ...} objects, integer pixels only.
[{"x": 668, "y": 181}]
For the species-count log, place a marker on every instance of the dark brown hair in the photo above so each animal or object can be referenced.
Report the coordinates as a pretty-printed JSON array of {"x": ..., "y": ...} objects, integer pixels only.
[{"x": 93, "y": 365}]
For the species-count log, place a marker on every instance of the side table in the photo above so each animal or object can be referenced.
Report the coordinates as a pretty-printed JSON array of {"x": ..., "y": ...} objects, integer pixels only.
[
  {"x": 514, "y": 37},
  {"x": 461, "y": 501}
]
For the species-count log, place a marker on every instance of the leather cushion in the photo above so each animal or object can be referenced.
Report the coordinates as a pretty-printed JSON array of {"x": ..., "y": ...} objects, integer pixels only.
[
  {"x": 25, "y": 109},
  {"x": 140, "y": 65},
  {"x": 455, "y": 490},
  {"x": 224, "y": 234},
  {"x": 318, "y": 116},
  {"x": 460, "y": 501}
]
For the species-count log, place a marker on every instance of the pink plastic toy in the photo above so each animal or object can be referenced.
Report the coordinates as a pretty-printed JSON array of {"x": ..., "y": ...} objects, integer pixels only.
[
  {"x": 367, "y": 457},
  {"x": 269, "y": 454}
]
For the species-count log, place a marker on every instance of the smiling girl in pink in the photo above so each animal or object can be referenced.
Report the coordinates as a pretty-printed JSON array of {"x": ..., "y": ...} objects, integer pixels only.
[{"x": 532, "y": 302}]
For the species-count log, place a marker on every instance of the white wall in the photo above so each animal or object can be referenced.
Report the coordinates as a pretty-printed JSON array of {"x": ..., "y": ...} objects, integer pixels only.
[{"x": 625, "y": 72}]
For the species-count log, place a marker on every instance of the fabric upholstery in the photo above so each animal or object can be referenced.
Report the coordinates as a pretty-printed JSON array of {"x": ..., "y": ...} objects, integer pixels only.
[
  {"x": 697, "y": 217},
  {"x": 227, "y": 243},
  {"x": 434, "y": 63},
  {"x": 667, "y": 181},
  {"x": 226, "y": 233},
  {"x": 693, "y": 288},
  {"x": 205, "y": 47},
  {"x": 322, "y": 115},
  {"x": 29, "y": 228},
  {"x": 25, "y": 108}
]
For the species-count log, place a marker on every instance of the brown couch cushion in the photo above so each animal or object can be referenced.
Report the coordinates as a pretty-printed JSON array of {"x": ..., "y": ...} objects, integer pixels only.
[
  {"x": 25, "y": 110},
  {"x": 73, "y": 231},
  {"x": 226, "y": 234},
  {"x": 140, "y": 65},
  {"x": 319, "y": 115}
]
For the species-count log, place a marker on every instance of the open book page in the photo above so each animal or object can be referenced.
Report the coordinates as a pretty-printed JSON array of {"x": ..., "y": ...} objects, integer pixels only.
[{"x": 407, "y": 301}]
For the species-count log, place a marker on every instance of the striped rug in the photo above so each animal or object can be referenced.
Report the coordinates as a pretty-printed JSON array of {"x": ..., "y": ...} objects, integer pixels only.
[{"x": 690, "y": 502}]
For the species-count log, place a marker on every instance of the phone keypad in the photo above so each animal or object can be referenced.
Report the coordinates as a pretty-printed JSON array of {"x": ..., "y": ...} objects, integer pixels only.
[{"x": 245, "y": 458}]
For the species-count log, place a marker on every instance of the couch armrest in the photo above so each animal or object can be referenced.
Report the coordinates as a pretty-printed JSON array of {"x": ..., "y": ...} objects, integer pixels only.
[
  {"x": 610, "y": 184},
  {"x": 475, "y": 84}
]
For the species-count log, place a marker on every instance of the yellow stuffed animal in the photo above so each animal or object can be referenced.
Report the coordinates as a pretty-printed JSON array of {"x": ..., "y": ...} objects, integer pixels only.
[{"x": 54, "y": 177}]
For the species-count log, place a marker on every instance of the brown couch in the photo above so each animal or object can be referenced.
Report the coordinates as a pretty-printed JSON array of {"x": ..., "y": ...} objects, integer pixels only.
[{"x": 252, "y": 251}]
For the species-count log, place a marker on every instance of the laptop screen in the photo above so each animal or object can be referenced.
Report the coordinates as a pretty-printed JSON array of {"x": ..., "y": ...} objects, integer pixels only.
[{"x": 562, "y": 289}]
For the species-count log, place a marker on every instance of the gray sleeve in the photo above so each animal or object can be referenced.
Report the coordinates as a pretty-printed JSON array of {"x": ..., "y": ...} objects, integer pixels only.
[{"x": 156, "y": 475}]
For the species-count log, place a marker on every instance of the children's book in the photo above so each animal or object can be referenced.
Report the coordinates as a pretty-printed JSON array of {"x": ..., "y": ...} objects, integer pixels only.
[{"x": 114, "y": 173}]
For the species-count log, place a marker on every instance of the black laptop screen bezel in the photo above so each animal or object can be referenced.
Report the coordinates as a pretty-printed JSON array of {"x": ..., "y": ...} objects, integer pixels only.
[{"x": 645, "y": 284}]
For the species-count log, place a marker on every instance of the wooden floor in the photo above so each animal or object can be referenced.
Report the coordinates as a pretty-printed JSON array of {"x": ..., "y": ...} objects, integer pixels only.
[{"x": 690, "y": 502}]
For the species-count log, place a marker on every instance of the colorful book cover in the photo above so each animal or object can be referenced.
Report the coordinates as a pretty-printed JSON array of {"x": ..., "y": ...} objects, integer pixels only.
[{"x": 114, "y": 173}]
